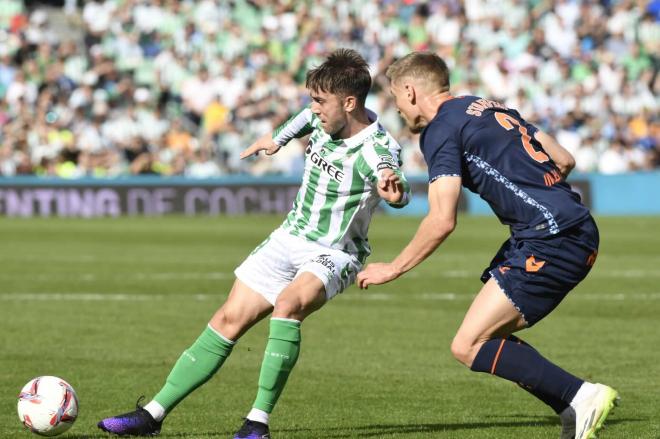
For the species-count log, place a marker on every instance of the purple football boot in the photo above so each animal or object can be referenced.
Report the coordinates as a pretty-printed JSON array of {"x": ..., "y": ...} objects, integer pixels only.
[
  {"x": 253, "y": 430},
  {"x": 136, "y": 423}
]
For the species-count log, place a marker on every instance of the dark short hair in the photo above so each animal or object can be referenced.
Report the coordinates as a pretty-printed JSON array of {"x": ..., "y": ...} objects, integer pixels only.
[
  {"x": 344, "y": 73},
  {"x": 425, "y": 66}
]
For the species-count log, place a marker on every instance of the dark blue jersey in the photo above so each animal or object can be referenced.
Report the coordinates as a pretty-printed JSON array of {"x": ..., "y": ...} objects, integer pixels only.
[{"x": 493, "y": 149}]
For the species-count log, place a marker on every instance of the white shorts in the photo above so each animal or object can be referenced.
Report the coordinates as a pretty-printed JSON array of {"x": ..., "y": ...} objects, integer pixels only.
[{"x": 282, "y": 257}]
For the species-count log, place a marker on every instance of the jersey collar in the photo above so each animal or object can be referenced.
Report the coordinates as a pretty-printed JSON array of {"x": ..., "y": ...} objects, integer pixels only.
[
  {"x": 443, "y": 103},
  {"x": 369, "y": 130}
]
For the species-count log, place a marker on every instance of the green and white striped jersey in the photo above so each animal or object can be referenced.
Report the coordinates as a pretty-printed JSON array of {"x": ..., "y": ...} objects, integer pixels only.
[{"x": 338, "y": 193}]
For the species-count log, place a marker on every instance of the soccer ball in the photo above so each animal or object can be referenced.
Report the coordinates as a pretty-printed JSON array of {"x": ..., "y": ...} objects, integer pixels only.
[{"x": 47, "y": 405}]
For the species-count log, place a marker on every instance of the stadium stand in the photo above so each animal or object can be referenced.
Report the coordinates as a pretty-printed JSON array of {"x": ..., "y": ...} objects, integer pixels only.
[{"x": 165, "y": 87}]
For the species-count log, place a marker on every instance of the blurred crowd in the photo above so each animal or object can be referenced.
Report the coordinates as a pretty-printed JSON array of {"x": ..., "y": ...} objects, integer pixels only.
[{"x": 167, "y": 87}]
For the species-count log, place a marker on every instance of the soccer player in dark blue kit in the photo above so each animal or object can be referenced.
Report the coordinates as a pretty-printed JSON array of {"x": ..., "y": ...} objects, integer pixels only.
[{"x": 520, "y": 171}]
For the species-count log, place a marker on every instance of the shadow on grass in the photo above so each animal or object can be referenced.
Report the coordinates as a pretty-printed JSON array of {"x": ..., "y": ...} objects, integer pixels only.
[
  {"x": 206, "y": 434},
  {"x": 376, "y": 430}
]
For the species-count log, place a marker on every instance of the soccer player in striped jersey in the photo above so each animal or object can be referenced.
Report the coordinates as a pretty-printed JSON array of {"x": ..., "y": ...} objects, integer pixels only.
[
  {"x": 351, "y": 163},
  {"x": 520, "y": 171}
]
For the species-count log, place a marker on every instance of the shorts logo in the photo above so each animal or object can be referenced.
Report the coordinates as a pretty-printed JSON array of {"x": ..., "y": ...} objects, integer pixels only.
[
  {"x": 532, "y": 265},
  {"x": 325, "y": 261},
  {"x": 503, "y": 269}
]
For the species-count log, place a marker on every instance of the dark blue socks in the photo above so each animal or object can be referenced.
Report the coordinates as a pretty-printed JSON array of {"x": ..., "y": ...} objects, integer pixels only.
[{"x": 516, "y": 361}]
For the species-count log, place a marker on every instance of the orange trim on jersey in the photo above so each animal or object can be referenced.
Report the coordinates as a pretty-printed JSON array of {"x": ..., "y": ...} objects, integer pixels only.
[{"x": 497, "y": 357}]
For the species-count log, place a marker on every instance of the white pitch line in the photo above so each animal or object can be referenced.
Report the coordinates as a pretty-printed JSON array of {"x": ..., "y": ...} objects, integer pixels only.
[
  {"x": 358, "y": 296},
  {"x": 92, "y": 277},
  {"x": 99, "y": 297}
]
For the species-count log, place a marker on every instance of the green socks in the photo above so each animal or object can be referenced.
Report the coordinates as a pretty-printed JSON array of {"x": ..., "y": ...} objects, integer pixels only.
[
  {"x": 195, "y": 366},
  {"x": 202, "y": 360},
  {"x": 281, "y": 355}
]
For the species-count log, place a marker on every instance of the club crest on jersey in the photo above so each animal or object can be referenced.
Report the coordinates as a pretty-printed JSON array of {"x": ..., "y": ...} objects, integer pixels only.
[{"x": 325, "y": 166}]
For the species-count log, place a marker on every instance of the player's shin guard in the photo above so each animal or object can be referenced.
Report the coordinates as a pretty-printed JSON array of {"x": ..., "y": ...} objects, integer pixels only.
[
  {"x": 522, "y": 364},
  {"x": 279, "y": 359},
  {"x": 195, "y": 366}
]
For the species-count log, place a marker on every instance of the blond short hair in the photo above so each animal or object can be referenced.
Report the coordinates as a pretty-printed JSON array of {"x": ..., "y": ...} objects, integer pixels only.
[{"x": 425, "y": 67}]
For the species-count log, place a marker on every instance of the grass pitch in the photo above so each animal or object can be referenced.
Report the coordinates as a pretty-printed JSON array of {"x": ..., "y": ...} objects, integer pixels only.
[{"x": 110, "y": 304}]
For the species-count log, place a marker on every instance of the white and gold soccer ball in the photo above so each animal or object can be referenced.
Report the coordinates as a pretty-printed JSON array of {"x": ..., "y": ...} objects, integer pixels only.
[{"x": 47, "y": 405}]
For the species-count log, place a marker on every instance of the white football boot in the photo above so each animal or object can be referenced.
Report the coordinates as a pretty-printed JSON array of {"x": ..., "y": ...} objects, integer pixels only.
[{"x": 592, "y": 406}]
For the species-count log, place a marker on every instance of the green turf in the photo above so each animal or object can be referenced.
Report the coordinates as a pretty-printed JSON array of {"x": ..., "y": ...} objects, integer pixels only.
[{"x": 109, "y": 305}]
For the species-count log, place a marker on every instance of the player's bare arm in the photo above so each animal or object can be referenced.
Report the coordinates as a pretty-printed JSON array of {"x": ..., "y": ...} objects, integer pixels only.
[
  {"x": 263, "y": 143},
  {"x": 562, "y": 158},
  {"x": 390, "y": 188},
  {"x": 438, "y": 224}
]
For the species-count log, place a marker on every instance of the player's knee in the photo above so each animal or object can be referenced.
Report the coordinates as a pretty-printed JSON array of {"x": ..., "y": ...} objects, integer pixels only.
[
  {"x": 288, "y": 308},
  {"x": 462, "y": 351},
  {"x": 226, "y": 323}
]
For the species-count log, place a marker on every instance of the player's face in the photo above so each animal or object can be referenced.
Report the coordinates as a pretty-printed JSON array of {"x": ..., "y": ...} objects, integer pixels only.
[
  {"x": 409, "y": 112},
  {"x": 330, "y": 109}
]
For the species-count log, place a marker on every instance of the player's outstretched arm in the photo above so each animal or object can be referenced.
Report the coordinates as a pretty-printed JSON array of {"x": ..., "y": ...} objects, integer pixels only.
[
  {"x": 562, "y": 158},
  {"x": 436, "y": 226},
  {"x": 263, "y": 143}
]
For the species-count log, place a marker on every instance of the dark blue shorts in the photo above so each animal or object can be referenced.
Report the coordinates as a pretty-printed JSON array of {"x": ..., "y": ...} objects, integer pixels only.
[{"x": 536, "y": 274}]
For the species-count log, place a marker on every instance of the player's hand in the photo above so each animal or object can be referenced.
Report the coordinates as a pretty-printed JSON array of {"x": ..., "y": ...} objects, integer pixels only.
[
  {"x": 263, "y": 143},
  {"x": 376, "y": 274},
  {"x": 389, "y": 186}
]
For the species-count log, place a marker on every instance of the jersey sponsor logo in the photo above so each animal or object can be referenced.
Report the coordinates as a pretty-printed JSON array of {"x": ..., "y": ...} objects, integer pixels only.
[
  {"x": 532, "y": 265},
  {"x": 326, "y": 167},
  {"x": 477, "y": 107}
]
